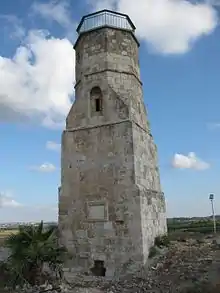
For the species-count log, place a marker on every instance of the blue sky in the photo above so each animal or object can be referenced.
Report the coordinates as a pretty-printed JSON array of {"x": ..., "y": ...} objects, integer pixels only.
[{"x": 180, "y": 69}]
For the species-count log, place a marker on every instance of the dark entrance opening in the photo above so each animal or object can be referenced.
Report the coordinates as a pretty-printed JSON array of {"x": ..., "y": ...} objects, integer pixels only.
[
  {"x": 98, "y": 270},
  {"x": 98, "y": 105}
]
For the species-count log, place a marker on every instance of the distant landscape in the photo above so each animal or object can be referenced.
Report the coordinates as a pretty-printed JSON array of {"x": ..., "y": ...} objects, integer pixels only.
[
  {"x": 202, "y": 225},
  {"x": 196, "y": 224},
  {"x": 7, "y": 229}
]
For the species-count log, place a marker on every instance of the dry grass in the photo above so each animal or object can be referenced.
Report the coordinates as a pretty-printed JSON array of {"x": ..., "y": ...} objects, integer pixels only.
[{"x": 5, "y": 233}]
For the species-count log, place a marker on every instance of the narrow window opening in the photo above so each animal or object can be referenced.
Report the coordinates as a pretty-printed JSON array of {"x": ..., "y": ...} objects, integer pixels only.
[
  {"x": 98, "y": 105},
  {"x": 98, "y": 270}
]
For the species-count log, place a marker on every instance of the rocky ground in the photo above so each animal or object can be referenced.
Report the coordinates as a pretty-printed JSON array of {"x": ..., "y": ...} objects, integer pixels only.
[{"x": 186, "y": 266}]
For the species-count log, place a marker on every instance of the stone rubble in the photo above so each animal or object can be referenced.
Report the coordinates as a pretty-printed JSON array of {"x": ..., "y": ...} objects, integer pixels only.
[{"x": 182, "y": 266}]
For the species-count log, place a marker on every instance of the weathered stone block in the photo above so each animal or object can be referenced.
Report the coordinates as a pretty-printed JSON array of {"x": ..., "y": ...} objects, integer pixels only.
[{"x": 81, "y": 234}]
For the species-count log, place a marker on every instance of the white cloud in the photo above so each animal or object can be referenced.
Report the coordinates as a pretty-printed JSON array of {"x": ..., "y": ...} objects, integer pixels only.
[
  {"x": 45, "y": 168},
  {"x": 214, "y": 125},
  {"x": 7, "y": 201},
  {"x": 190, "y": 161},
  {"x": 168, "y": 26},
  {"x": 53, "y": 146},
  {"x": 54, "y": 10},
  {"x": 37, "y": 82},
  {"x": 25, "y": 212}
]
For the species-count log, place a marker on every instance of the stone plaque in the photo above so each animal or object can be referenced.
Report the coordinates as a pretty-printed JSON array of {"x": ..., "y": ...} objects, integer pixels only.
[{"x": 97, "y": 212}]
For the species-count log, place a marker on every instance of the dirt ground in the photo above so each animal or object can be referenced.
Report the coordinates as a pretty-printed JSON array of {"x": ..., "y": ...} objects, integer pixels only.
[
  {"x": 188, "y": 266},
  {"x": 191, "y": 264}
]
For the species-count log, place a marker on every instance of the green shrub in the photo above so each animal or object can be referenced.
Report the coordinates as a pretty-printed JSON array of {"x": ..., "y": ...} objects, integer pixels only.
[
  {"x": 30, "y": 248},
  {"x": 153, "y": 251},
  {"x": 162, "y": 241}
]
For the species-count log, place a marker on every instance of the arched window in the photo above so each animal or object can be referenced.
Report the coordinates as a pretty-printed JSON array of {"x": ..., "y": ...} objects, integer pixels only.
[{"x": 96, "y": 101}]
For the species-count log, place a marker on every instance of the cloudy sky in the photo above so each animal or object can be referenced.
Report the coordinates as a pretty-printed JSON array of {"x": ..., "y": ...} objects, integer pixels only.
[{"x": 180, "y": 70}]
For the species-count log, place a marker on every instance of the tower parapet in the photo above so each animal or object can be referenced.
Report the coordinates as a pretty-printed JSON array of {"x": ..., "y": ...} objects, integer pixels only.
[{"x": 105, "y": 18}]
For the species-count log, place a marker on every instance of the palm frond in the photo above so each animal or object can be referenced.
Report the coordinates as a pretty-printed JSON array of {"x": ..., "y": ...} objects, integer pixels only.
[
  {"x": 40, "y": 228},
  {"x": 49, "y": 233},
  {"x": 30, "y": 248}
]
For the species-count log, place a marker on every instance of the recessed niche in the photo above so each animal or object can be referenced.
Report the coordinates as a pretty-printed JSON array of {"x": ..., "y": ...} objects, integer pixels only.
[
  {"x": 99, "y": 269},
  {"x": 119, "y": 222}
]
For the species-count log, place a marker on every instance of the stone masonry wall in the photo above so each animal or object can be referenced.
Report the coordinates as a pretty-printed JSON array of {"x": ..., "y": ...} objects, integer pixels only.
[
  {"x": 95, "y": 49},
  {"x": 147, "y": 178},
  {"x": 112, "y": 65},
  {"x": 98, "y": 170},
  {"x": 145, "y": 160},
  {"x": 114, "y": 108},
  {"x": 153, "y": 217}
]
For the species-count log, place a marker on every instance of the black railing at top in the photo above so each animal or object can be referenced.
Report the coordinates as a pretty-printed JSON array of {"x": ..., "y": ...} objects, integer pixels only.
[{"x": 105, "y": 18}]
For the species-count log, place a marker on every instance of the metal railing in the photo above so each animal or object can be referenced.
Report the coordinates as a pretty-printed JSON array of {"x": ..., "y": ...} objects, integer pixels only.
[{"x": 105, "y": 18}]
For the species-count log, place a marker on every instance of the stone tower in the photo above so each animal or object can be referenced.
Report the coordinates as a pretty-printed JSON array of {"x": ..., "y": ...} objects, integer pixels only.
[{"x": 110, "y": 202}]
